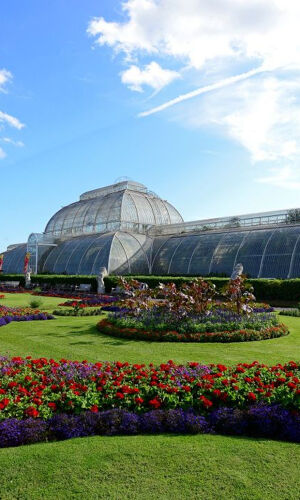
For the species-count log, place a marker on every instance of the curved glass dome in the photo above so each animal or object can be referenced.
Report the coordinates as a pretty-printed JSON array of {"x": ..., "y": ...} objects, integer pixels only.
[{"x": 127, "y": 206}]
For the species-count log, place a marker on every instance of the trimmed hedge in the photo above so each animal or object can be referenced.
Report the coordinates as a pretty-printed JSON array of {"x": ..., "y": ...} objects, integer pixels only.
[
  {"x": 264, "y": 289},
  {"x": 13, "y": 277},
  {"x": 53, "y": 279}
]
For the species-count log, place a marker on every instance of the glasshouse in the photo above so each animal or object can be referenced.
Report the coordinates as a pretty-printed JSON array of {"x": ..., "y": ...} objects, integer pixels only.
[{"x": 130, "y": 230}]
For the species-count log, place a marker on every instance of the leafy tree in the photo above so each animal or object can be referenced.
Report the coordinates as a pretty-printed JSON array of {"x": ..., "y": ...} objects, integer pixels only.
[{"x": 293, "y": 216}]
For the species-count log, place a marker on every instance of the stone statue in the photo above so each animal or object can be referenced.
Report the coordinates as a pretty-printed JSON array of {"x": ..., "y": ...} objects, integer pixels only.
[
  {"x": 237, "y": 271},
  {"x": 100, "y": 280},
  {"x": 28, "y": 278}
]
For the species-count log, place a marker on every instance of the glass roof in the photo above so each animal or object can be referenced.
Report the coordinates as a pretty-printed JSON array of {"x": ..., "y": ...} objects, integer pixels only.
[
  {"x": 126, "y": 205},
  {"x": 264, "y": 253}
]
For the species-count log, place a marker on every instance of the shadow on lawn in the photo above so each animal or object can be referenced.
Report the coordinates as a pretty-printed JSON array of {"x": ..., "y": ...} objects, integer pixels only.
[{"x": 80, "y": 330}]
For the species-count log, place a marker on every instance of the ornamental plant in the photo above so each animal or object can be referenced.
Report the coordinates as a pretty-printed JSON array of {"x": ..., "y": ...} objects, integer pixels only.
[
  {"x": 8, "y": 314},
  {"x": 41, "y": 388},
  {"x": 239, "y": 294}
]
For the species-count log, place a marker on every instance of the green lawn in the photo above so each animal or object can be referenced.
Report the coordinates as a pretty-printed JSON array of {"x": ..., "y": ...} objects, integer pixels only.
[{"x": 145, "y": 467}]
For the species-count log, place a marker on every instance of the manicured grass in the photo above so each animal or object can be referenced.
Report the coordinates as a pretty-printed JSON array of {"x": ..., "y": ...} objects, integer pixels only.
[
  {"x": 145, "y": 467},
  {"x": 23, "y": 300},
  {"x": 78, "y": 338},
  {"x": 152, "y": 467}
]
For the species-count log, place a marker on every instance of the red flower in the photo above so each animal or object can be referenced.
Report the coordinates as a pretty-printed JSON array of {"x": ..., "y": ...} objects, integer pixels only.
[
  {"x": 120, "y": 395},
  {"x": 32, "y": 412},
  {"x": 251, "y": 396},
  {"x": 139, "y": 401},
  {"x": 94, "y": 409},
  {"x": 52, "y": 406},
  {"x": 12, "y": 384},
  {"x": 155, "y": 403},
  {"x": 4, "y": 403},
  {"x": 206, "y": 402}
]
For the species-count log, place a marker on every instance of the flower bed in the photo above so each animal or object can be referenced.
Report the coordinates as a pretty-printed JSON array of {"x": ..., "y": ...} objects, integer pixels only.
[
  {"x": 9, "y": 314},
  {"x": 192, "y": 313},
  {"x": 265, "y": 421},
  {"x": 44, "y": 399},
  {"x": 75, "y": 295},
  {"x": 77, "y": 312},
  {"x": 117, "y": 328},
  {"x": 100, "y": 301}
]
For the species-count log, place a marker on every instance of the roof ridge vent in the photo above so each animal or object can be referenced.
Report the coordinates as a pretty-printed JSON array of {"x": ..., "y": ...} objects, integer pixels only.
[{"x": 113, "y": 188}]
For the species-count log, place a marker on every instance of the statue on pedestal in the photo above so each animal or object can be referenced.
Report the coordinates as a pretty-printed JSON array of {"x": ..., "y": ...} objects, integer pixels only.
[
  {"x": 28, "y": 278},
  {"x": 237, "y": 271},
  {"x": 100, "y": 279}
]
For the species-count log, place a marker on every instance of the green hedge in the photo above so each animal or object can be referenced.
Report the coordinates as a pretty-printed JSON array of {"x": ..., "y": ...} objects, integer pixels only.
[
  {"x": 264, "y": 289},
  {"x": 53, "y": 279},
  {"x": 13, "y": 277}
]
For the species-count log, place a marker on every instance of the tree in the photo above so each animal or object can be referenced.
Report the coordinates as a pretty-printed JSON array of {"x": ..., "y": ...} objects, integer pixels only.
[{"x": 293, "y": 216}]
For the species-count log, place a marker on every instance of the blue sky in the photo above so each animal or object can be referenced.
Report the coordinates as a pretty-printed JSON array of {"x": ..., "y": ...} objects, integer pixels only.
[{"x": 85, "y": 91}]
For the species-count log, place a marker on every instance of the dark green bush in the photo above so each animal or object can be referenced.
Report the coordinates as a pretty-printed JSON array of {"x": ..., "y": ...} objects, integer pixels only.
[
  {"x": 264, "y": 289},
  {"x": 13, "y": 277},
  {"x": 53, "y": 279}
]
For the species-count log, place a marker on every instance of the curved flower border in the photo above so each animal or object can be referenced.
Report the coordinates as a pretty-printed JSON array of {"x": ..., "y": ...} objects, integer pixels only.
[{"x": 108, "y": 328}]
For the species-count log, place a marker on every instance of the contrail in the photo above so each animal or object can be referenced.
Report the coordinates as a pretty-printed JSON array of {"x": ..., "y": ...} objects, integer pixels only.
[{"x": 204, "y": 90}]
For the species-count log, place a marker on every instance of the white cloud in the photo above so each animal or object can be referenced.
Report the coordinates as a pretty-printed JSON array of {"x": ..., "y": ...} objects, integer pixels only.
[
  {"x": 261, "y": 114},
  {"x": 244, "y": 53},
  {"x": 2, "y": 154},
  {"x": 10, "y": 120},
  {"x": 283, "y": 177},
  {"x": 152, "y": 75},
  {"x": 197, "y": 31},
  {"x": 8, "y": 140},
  {"x": 5, "y": 77}
]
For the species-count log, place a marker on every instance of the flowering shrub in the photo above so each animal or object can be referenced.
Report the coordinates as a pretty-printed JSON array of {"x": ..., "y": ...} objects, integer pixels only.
[
  {"x": 238, "y": 335},
  {"x": 239, "y": 294},
  {"x": 43, "y": 399},
  {"x": 8, "y": 314},
  {"x": 270, "y": 421},
  {"x": 191, "y": 313},
  {"x": 2, "y": 296},
  {"x": 41, "y": 387}
]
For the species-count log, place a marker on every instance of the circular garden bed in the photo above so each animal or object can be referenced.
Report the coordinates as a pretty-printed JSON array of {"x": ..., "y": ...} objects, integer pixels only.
[{"x": 242, "y": 335}]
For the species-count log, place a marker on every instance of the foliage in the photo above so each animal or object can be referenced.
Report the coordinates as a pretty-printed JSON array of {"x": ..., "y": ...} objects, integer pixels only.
[
  {"x": 239, "y": 293},
  {"x": 264, "y": 289},
  {"x": 41, "y": 388},
  {"x": 271, "y": 421},
  {"x": 9, "y": 314},
  {"x": 98, "y": 301},
  {"x": 35, "y": 303},
  {"x": 53, "y": 279},
  {"x": 293, "y": 216},
  {"x": 190, "y": 314},
  {"x": 77, "y": 312},
  {"x": 234, "y": 335},
  {"x": 290, "y": 312}
]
